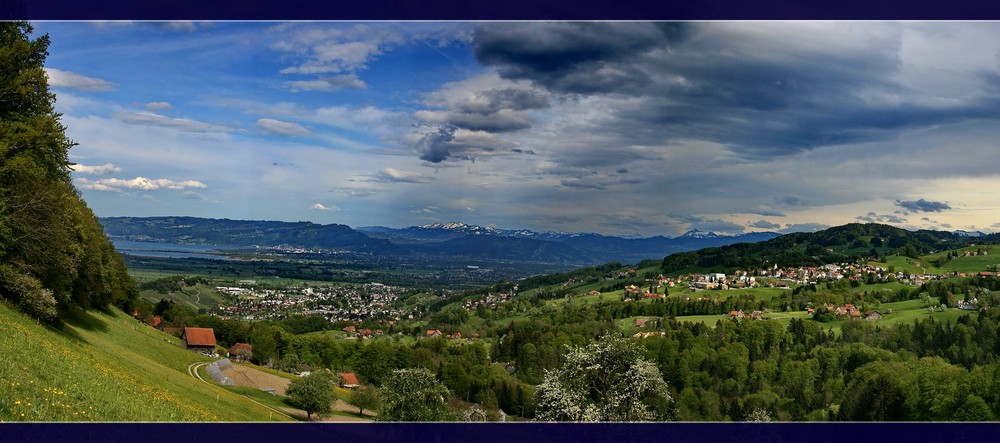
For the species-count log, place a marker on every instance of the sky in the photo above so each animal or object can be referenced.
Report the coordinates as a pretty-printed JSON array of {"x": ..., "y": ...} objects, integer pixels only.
[{"x": 619, "y": 128}]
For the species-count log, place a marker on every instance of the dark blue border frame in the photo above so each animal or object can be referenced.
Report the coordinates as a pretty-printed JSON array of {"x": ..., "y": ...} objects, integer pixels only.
[
  {"x": 499, "y": 9},
  {"x": 503, "y": 432}
]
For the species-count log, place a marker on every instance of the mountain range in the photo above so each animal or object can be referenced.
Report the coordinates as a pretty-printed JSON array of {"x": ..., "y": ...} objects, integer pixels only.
[{"x": 454, "y": 240}]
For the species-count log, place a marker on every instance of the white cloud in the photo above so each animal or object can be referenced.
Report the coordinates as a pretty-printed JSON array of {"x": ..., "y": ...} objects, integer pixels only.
[
  {"x": 327, "y": 84},
  {"x": 106, "y": 168},
  {"x": 66, "y": 79},
  {"x": 322, "y": 207},
  {"x": 158, "y": 106},
  {"x": 338, "y": 49},
  {"x": 395, "y": 175},
  {"x": 182, "y": 124},
  {"x": 142, "y": 183},
  {"x": 278, "y": 127}
]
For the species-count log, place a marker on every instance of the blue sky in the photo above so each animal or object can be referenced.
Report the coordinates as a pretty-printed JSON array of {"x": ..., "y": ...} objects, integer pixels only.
[{"x": 617, "y": 128}]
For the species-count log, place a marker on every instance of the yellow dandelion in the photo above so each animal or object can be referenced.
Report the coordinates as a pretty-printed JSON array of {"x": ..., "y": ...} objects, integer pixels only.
[{"x": 18, "y": 402}]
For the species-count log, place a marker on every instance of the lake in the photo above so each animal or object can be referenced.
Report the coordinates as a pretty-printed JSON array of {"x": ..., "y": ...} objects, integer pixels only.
[{"x": 168, "y": 250}]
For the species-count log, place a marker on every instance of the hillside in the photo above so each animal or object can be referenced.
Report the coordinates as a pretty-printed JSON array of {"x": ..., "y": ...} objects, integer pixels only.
[
  {"x": 239, "y": 233},
  {"x": 106, "y": 367},
  {"x": 837, "y": 244}
]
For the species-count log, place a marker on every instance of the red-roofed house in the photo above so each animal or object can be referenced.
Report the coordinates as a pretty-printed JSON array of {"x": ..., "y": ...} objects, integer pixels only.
[
  {"x": 199, "y": 339},
  {"x": 349, "y": 380},
  {"x": 433, "y": 333},
  {"x": 156, "y": 322},
  {"x": 240, "y": 351}
]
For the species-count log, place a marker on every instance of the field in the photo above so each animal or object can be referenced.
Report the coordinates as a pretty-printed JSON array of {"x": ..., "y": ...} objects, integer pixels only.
[
  {"x": 196, "y": 297},
  {"x": 893, "y": 314},
  {"x": 106, "y": 367}
]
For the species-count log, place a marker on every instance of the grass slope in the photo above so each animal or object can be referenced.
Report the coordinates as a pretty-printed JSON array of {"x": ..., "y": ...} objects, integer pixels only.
[{"x": 106, "y": 367}]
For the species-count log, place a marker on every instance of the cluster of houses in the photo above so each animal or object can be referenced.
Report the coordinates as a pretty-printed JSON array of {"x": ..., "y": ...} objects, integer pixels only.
[
  {"x": 334, "y": 302},
  {"x": 635, "y": 291},
  {"x": 849, "y": 310},
  {"x": 353, "y": 332},
  {"x": 491, "y": 300},
  {"x": 434, "y": 333}
]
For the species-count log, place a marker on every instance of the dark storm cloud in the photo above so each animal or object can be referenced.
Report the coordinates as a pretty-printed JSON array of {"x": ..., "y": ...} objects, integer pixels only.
[
  {"x": 922, "y": 205},
  {"x": 765, "y": 210},
  {"x": 755, "y": 90},
  {"x": 764, "y": 224},
  {"x": 435, "y": 147},
  {"x": 573, "y": 57},
  {"x": 792, "y": 200},
  {"x": 497, "y": 122},
  {"x": 582, "y": 184}
]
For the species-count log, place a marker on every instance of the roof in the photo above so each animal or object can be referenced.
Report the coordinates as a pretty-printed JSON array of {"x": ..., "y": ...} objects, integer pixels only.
[
  {"x": 199, "y": 336},
  {"x": 240, "y": 347},
  {"x": 155, "y": 321},
  {"x": 349, "y": 378}
]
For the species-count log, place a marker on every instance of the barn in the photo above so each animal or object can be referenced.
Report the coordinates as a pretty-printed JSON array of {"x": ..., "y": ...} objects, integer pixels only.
[{"x": 199, "y": 339}]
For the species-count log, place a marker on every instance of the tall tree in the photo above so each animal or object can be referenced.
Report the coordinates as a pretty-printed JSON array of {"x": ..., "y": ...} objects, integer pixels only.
[
  {"x": 413, "y": 395},
  {"x": 53, "y": 252},
  {"x": 607, "y": 380},
  {"x": 313, "y": 393}
]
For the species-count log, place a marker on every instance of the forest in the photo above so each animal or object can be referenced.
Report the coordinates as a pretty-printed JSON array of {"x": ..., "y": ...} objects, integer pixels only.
[{"x": 54, "y": 256}]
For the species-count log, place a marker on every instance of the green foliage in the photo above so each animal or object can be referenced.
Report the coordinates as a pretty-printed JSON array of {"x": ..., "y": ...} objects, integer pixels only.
[
  {"x": 413, "y": 395},
  {"x": 840, "y": 243},
  {"x": 366, "y": 397},
  {"x": 173, "y": 283},
  {"x": 28, "y": 293},
  {"x": 312, "y": 393},
  {"x": 47, "y": 234}
]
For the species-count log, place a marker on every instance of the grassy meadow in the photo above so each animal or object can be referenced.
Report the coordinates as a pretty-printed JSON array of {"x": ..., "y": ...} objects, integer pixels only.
[{"x": 106, "y": 367}]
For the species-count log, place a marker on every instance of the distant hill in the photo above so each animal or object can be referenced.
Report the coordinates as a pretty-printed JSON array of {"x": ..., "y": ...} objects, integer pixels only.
[
  {"x": 453, "y": 240},
  {"x": 587, "y": 247},
  {"x": 240, "y": 233},
  {"x": 832, "y": 245}
]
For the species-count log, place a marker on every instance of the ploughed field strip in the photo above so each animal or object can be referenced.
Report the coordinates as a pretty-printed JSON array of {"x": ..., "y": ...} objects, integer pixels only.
[{"x": 249, "y": 377}]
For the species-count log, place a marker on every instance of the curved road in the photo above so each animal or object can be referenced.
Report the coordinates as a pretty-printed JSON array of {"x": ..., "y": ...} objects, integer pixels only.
[{"x": 193, "y": 371}]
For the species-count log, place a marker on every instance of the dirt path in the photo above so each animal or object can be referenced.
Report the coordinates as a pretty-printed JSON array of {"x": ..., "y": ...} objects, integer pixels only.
[
  {"x": 300, "y": 414},
  {"x": 250, "y": 377},
  {"x": 245, "y": 376}
]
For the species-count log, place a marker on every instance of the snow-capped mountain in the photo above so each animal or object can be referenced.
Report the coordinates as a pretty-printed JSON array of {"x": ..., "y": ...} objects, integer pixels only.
[
  {"x": 695, "y": 233},
  {"x": 590, "y": 246}
]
